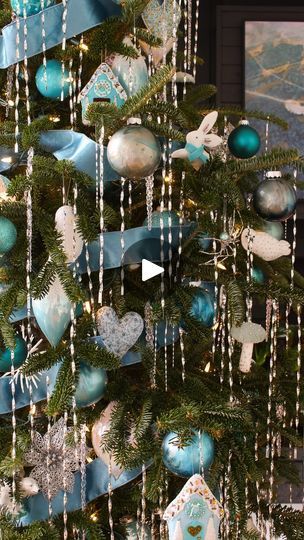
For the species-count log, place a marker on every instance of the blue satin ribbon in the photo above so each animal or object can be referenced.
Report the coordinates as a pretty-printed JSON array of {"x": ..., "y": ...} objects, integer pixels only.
[
  {"x": 82, "y": 15},
  {"x": 97, "y": 480},
  {"x": 195, "y": 153}
]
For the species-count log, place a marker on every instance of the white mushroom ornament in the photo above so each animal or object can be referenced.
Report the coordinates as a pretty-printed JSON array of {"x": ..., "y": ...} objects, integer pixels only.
[{"x": 248, "y": 334}]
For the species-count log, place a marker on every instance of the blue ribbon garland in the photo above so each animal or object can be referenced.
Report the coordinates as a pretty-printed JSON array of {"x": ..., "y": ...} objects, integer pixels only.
[{"x": 82, "y": 15}]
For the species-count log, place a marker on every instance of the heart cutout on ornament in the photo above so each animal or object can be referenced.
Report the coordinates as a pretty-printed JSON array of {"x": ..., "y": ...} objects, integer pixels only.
[
  {"x": 119, "y": 335},
  {"x": 194, "y": 530}
]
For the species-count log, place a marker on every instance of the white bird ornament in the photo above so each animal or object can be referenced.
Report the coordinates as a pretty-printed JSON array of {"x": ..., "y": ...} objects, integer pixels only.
[
  {"x": 264, "y": 245},
  {"x": 196, "y": 141}
]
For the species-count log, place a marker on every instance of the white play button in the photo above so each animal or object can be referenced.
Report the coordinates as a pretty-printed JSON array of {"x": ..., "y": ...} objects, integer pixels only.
[{"x": 149, "y": 270}]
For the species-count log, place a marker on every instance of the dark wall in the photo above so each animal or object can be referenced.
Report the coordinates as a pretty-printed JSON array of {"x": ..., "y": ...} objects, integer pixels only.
[{"x": 221, "y": 40}]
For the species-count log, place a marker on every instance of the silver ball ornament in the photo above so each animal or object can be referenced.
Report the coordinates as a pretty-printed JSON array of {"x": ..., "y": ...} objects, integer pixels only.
[{"x": 134, "y": 152}]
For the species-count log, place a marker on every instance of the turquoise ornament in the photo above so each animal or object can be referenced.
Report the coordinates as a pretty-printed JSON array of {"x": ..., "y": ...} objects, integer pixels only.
[
  {"x": 258, "y": 275},
  {"x": 50, "y": 81},
  {"x": 186, "y": 461},
  {"x": 165, "y": 215},
  {"x": 134, "y": 152},
  {"x": 244, "y": 142},
  {"x": 20, "y": 354},
  {"x": 275, "y": 199},
  {"x": 53, "y": 312},
  {"x": 274, "y": 228},
  {"x": 202, "y": 308},
  {"x": 31, "y": 7},
  {"x": 8, "y": 235},
  {"x": 196, "y": 153},
  {"x": 91, "y": 385}
]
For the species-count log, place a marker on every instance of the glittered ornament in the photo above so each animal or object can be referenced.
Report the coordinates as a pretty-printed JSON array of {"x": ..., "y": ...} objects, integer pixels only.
[
  {"x": 132, "y": 73},
  {"x": 119, "y": 335},
  {"x": 134, "y": 152},
  {"x": 157, "y": 215},
  {"x": 30, "y": 7},
  {"x": 91, "y": 385},
  {"x": 263, "y": 245},
  {"x": 20, "y": 354},
  {"x": 189, "y": 459},
  {"x": 8, "y": 235},
  {"x": 50, "y": 80},
  {"x": 202, "y": 308},
  {"x": 275, "y": 199},
  {"x": 244, "y": 141},
  {"x": 66, "y": 226}
]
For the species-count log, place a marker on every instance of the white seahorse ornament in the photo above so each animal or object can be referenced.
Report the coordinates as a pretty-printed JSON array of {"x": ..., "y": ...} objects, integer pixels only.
[{"x": 196, "y": 141}]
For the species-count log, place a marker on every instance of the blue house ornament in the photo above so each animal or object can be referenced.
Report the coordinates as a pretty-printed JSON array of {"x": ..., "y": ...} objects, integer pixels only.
[
  {"x": 195, "y": 513},
  {"x": 103, "y": 86}
]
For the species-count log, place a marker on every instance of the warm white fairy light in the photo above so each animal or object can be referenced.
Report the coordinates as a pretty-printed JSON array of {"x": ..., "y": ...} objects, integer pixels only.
[{"x": 122, "y": 237}]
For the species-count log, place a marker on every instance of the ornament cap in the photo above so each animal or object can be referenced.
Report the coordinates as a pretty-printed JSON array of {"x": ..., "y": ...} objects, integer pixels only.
[
  {"x": 134, "y": 120},
  {"x": 274, "y": 174},
  {"x": 243, "y": 122}
]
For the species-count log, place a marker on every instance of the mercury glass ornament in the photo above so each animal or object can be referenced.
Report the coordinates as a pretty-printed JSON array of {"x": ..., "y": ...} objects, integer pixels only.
[
  {"x": 8, "y": 235},
  {"x": 134, "y": 152},
  {"x": 244, "y": 142},
  {"x": 274, "y": 199},
  {"x": 188, "y": 460}
]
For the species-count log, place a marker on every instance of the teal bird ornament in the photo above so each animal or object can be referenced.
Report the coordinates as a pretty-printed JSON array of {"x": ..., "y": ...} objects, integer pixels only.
[{"x": 197, "y": 141}]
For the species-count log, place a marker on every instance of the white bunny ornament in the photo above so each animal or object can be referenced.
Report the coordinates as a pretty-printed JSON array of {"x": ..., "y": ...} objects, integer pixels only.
[{"x": 196, "y": 141}]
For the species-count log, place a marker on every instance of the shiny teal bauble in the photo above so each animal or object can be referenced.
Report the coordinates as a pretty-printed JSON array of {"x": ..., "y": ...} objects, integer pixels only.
[
  {"x": 20, "y": 354},
  {"x": 244, "y": 142},
  {"x": 134, "y": 152},
  {"x": 8, "y": 235},
  {"x": 274, "y": 228},
  {"x": 91, "y": 385},
  {"x": 258, "y": 275},
  {"x": 50, "y": 80},
  {"x": 275, "y": 199},
  {"x": 188, "y": 460},
  {"x": 165, "y": 215},
  {"x": 31, "y": 7},
  {"x": 202, "y": 308}
]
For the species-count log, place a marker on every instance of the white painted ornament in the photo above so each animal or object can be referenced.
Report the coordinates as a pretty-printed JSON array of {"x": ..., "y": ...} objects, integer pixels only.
[
  {"x": 99, "y": 430},
  {"x": 197, "y": 141},
  {"x": 118, "y": 335},
  {"x": 264, "y": 245},
  {"x": 72, "y": 241},
  {"x": 248, "y": 334},
  {"x": 28, "y": 486}
]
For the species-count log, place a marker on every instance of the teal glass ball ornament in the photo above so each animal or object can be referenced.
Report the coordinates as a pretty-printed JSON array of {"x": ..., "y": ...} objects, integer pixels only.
[
  {"x": 50, "y": 81},
  {"x": 188, "y": 460},
  {"x": 274, "y": 228},
  {"x": 165, "y": 215},
  {"x": 91, "y": 385},
  {"x": 244, "y": 142},
  {"x": 258, "y": 275},
  {"x": 274, "y": 199},
  {"x": 20, "y": 355},
  {"x": 202, "y": 308},
  {"x": 31, "y": 7},
  {"x": 134, "y": 152},
  {"x": 8, "y": 235}
]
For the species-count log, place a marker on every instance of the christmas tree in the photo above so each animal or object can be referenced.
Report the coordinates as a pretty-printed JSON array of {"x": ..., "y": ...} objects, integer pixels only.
[{"x": 130, "y": 407}]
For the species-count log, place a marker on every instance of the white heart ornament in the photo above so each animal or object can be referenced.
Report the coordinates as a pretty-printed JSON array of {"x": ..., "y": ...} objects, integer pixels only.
[
  {"x": 72, "y": 242},
  {"x": 119, "y": 335}
]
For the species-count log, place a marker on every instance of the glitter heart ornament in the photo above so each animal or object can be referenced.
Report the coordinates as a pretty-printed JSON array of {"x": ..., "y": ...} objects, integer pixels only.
[
  {"x": 160, "y": 19},
  {"x": 118, "y": 335}
]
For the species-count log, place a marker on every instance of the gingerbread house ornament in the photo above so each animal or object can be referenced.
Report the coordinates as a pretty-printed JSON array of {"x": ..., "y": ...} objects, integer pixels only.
[
  {"x": 103, "y": 86},
  {"x": 195, "y": 513}
]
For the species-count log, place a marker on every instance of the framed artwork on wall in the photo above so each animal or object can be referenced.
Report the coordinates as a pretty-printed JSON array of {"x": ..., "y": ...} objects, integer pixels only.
[{"x": 274, "y": 81}]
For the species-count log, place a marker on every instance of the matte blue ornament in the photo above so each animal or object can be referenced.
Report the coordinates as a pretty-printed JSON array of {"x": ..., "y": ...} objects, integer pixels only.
[
  {"x": 50, "y": 81},
  {"x": 20, "y": 354},
  {"x": 188, "y": 460},
  {"x": 31, "y": 6},
  {"x": 8, "y": 235},
  {"x": 203, "y": 307},
  {"x": 258, "y": 275},
  {"x": 165, "y": 215},
  {"x": 275, "y": 199},
  {"x": 244, "y": 142},
  {"x": 91, "y": 385}
]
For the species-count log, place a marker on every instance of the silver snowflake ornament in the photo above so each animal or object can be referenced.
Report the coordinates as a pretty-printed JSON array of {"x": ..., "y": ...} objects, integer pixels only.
[{"x": 53, "y": 460}]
